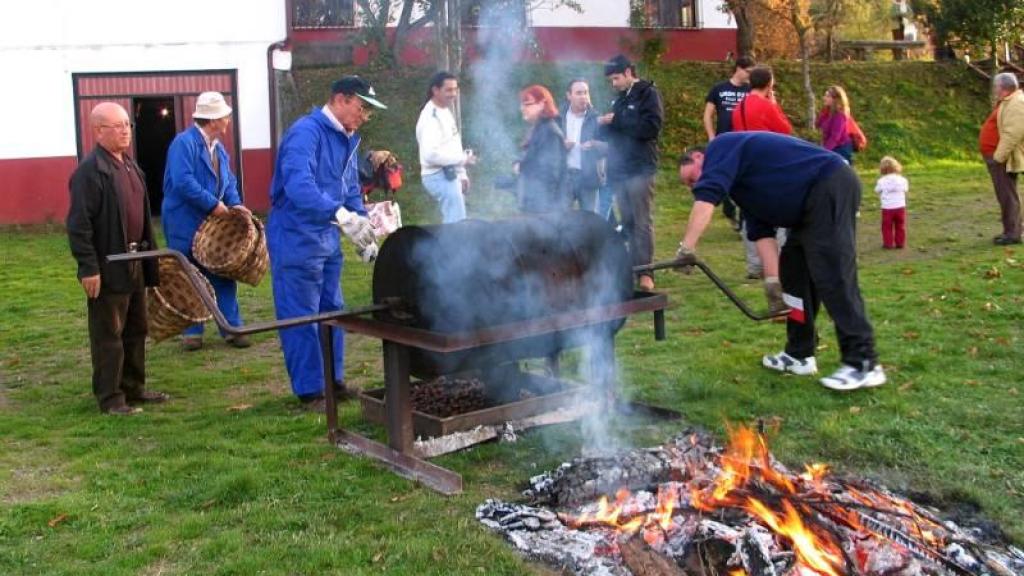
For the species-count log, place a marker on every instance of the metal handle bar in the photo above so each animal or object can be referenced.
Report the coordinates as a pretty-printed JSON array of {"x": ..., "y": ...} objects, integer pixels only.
[
  {"x": 211, "y": 303},
  {"x": 747, "y": 310}
]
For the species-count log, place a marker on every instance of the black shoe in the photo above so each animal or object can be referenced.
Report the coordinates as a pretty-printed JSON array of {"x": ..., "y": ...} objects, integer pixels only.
[
  {"x": 122, "y": 410},
  {"x": 1005, "y": 241},
  {"x": 239, "y": 341},
  {"x": 191, "y": 343},
  {"x": 343, "y": 393},
  {"x": 149, "y": 397},
  {"x": 313, "y": 403}
]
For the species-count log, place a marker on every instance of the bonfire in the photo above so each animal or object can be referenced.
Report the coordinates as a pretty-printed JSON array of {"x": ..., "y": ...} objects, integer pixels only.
[{"x": 691, "y": 508}]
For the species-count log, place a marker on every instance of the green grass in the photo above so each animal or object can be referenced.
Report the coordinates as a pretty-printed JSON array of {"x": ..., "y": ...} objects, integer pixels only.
[{"x": 231, "y": 478}]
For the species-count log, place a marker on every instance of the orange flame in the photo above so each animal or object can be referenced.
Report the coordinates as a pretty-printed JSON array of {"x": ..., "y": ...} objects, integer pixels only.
[
  {"x": 813, "y": 552},
  {"x": 608, "y": 514}
]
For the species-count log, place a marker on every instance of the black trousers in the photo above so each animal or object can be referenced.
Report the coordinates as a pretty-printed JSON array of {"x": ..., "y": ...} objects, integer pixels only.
[
  {"x": 117, "y": 340},
  {"x": 635, "y": 197},
  {"x": 819, "y": 266}
]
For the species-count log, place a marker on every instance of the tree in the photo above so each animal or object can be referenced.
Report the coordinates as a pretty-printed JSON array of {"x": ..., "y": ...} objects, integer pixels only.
[
  {"x": 798, "y": 14},
  {"x": 827, "y": 15},
  {"x": 979, "y": 24},
  {"x": 742, "y": 13},
  {"x": 376, "y": 15}
]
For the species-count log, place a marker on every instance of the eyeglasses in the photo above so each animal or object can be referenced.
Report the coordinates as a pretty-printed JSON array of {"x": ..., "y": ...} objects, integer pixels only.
[
  {"x": 526, "y": 104},
  {"x": 119, "y": 126}
]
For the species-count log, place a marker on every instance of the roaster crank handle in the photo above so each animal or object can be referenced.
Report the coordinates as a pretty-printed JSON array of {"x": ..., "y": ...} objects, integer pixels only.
[
  {"x": 210, "y": 302},
  {"x": 669, "y": 264}
]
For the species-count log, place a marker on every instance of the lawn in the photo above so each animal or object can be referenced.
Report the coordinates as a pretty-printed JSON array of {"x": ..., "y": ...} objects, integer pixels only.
[{"x": 231, "y": 478}]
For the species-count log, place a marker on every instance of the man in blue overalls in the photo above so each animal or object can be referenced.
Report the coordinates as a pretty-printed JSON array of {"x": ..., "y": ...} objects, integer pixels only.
[
  {"x": 197, "y": 183},
  {"x": 315, "y": 195}
]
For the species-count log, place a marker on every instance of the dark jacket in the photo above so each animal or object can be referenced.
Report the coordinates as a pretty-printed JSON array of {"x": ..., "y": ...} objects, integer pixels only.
[
  {"x": 96, "y": 225},
  {"x": 633, "y": 134},
  {"x": 589, "y": 159},
  {"x": 542, "y": 169}
]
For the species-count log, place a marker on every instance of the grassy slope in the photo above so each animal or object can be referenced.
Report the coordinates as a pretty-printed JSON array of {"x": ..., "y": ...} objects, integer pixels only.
[{"x": 230, "y": 478}]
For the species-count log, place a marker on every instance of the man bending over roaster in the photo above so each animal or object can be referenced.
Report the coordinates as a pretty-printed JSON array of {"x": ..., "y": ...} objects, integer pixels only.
[{"x": 781, "y": 181}]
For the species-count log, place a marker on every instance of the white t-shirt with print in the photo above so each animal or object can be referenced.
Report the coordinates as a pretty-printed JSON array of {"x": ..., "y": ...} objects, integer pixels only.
[{"x": 892, "y": 191}]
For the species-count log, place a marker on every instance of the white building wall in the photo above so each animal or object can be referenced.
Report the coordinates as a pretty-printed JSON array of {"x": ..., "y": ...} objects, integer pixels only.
[
  {"x": 44, "y": 41},
  {"x": 615, "y": 14}
]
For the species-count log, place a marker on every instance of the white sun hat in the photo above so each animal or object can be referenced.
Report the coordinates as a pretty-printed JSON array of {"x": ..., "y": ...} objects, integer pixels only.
[{"x": 211, "y": 106}]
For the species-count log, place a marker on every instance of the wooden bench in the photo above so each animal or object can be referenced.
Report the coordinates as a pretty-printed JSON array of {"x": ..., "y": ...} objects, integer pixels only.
[{"x": 864, "y": 49}]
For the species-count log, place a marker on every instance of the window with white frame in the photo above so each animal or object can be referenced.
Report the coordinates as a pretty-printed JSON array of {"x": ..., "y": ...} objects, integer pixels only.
[
  {"x": 671, "y": 13},
  {"x": 315, "y": 14}
]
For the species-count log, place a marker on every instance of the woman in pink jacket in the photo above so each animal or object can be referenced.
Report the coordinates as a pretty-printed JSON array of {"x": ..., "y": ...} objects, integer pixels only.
[{"x": 834, "y": 123}]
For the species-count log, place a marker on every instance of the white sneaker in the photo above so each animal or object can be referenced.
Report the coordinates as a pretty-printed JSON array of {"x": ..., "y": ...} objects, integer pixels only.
[
  {"x": 783, "y": 362},
  {"x": 848, "y": 378}
]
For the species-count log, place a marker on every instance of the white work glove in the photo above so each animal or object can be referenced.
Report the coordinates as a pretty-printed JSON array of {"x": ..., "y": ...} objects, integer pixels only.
[
  {"x": 357, "y": 228},
  {"x": 369, "y": 254}
]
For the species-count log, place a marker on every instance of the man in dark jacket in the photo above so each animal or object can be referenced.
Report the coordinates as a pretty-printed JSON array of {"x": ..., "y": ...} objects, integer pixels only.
[
  {"x": 631, "y": 130},
  {"x": 781, "y": 181},
  {"x": 109, "y": 214},
  {"x": 579, "y": 123}
]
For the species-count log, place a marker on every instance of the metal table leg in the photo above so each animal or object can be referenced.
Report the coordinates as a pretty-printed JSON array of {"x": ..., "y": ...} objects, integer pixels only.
[
  {"x": 397, "y": 401},
  {"x": 330, "y": 397}
]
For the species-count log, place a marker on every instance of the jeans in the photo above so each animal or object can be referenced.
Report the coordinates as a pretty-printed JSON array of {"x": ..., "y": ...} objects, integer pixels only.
[
  {"x": 579, "y": 192},
  {"x": 226, "y": 291},
  {"x": 605, "y": 199},
  {"x": 447, "y": 193}
]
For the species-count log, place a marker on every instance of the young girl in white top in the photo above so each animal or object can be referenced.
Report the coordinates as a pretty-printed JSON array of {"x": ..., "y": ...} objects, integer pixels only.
[{"x": 892, "y": 191}]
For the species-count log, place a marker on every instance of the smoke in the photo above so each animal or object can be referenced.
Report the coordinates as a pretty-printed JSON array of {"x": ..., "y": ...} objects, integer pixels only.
[
  {"x": 476, "y": 275},
  {"x": 502, "y": 39}
]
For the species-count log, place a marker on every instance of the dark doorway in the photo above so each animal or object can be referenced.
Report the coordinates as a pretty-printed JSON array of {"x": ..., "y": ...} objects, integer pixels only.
[{"x": 154, "y": 130}]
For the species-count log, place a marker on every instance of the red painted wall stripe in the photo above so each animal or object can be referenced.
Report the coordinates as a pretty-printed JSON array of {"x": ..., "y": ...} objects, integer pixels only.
[
  {"x": 153, "y": 84},
  {"x": 36, "y": 189}
]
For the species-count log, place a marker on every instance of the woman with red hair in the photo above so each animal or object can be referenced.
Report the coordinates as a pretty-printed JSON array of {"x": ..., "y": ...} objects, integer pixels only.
[{"x": 542, "y": 164}]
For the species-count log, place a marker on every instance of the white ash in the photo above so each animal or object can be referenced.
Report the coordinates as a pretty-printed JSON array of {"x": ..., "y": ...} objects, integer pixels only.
[{"x": 537, "y": 533}]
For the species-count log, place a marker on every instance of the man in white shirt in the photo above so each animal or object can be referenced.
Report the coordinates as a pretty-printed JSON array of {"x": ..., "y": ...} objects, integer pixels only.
[
  {"x": 442, "y": 159},
  {"x": 579, "y": 123}
]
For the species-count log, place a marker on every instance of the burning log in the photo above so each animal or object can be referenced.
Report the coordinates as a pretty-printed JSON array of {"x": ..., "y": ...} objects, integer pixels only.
[
  {"x": 587, "y": 479},
  {"x": 642, "y": 560}
]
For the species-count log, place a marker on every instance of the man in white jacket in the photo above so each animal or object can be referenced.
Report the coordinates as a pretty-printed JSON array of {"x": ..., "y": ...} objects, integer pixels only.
[{"x": 442, "y": 159}]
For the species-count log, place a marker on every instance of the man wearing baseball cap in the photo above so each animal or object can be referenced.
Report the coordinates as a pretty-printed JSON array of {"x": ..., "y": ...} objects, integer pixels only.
[
  {"x": 315, "y": 197},
  {"x": 198, "y": 182},
  {"x": 631, "y": 130}
]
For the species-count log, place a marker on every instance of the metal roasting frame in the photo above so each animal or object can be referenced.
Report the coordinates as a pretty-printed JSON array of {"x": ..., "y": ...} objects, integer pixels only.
[{"x": 399, "y": 454}]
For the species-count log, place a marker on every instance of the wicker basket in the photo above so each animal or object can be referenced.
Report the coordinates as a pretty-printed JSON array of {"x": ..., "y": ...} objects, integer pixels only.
[
  {"x": 258, "y": 261},
  {"x": 233, "y": 246},
  {"x": 174, "y": 305}
]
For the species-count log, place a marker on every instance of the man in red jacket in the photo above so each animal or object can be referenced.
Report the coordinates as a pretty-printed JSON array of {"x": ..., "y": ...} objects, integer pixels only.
[{"x": 759, "y": 110}]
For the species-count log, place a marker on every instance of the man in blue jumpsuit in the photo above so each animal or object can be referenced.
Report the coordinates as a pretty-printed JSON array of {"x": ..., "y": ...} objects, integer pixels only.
[
  {"x": 197, "y": 183},
  {"x": 781, "y": 181},
  {"x": 315, "y": 195}
]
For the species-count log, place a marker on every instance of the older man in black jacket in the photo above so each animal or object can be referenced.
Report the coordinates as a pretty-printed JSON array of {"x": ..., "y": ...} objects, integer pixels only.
[
  {"x": 109, "y": 214},
  {"x": 579, "y": 123},
  {"x": 631, "y": 130}
]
